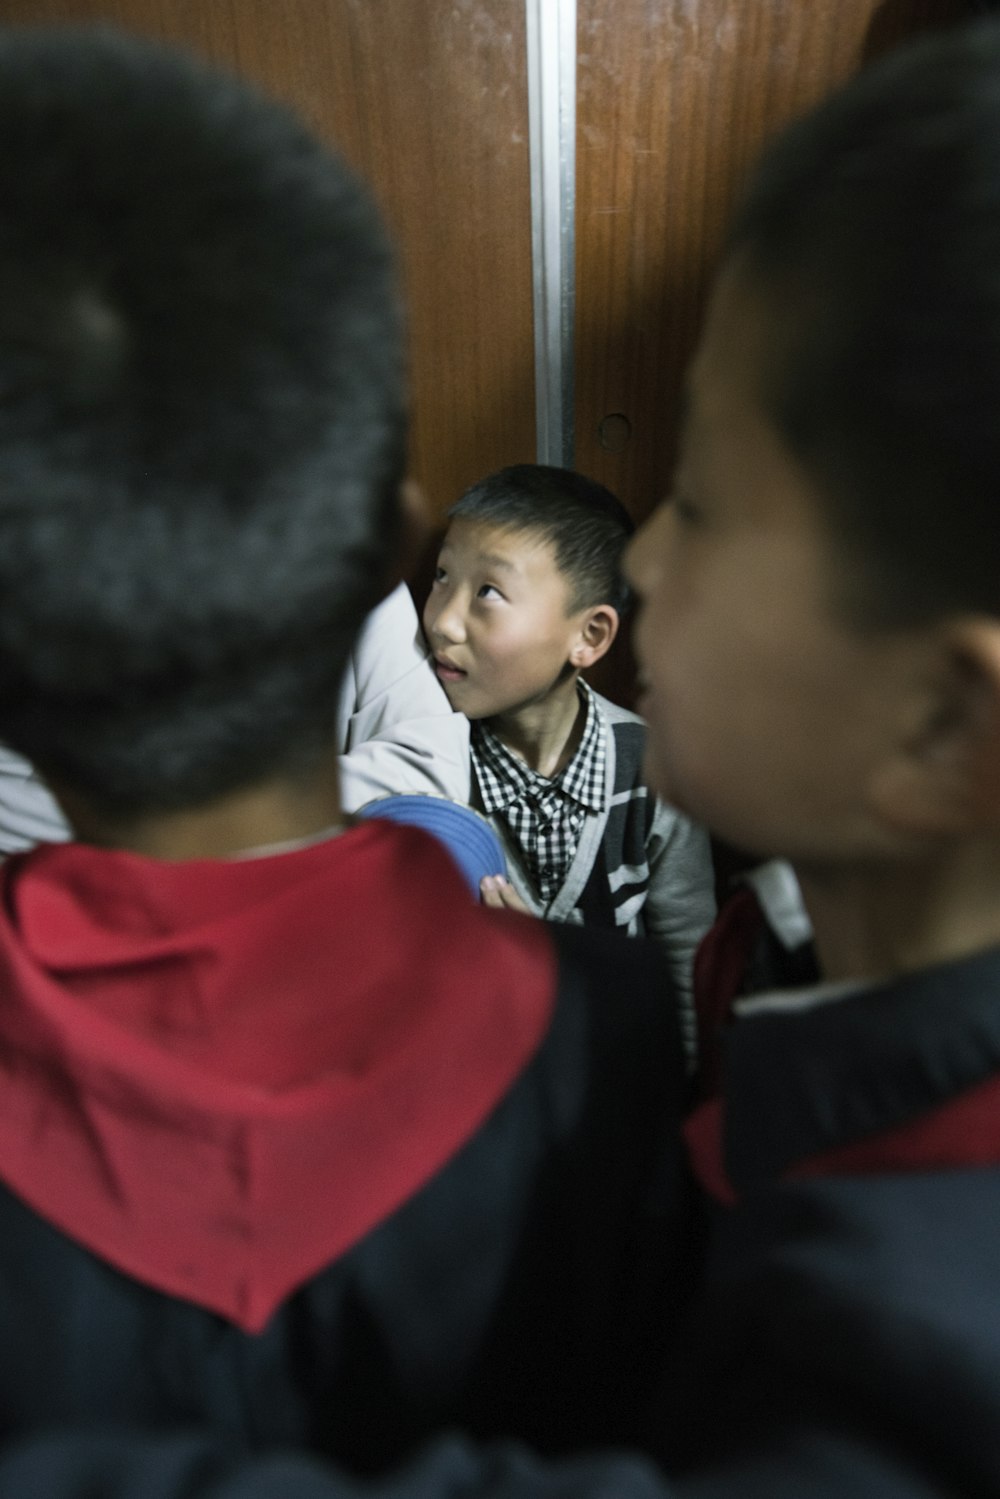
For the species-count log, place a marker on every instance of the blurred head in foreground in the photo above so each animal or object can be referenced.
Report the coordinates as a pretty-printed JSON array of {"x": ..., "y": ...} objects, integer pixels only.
[{"x": 201, "y": 424}]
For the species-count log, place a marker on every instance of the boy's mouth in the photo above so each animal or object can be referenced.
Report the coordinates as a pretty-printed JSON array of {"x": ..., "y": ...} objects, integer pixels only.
[{"x": 447, "y": 671}]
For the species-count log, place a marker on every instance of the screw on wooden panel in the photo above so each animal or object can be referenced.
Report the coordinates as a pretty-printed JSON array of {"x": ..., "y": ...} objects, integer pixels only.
[{"x": 614, "y": 431}]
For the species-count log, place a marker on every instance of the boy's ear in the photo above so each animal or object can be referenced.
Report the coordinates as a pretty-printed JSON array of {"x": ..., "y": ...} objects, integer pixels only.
[
  {"x": 598, "y": 629},
  {"x": 946, "y": 779}
]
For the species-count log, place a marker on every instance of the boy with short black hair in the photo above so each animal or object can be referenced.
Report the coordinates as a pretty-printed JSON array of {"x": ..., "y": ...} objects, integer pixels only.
[
  {"x": 528, "y": 593},
  {"x": 272, "y": 1163},
  {"x": 395, "y": 733}
]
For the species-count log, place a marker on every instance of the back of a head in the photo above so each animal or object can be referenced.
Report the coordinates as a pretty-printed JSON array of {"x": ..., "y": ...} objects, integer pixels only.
[
  {"x": 201, "y": 422},
  {"x": 872, "y": 231},
  {"x": 587, "y": 527}
]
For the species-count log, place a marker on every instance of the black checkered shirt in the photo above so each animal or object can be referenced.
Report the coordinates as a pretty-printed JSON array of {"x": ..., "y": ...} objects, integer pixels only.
[{"x": 545, "y": 815}]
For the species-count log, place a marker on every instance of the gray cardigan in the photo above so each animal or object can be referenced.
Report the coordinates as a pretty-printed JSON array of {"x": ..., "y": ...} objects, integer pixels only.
[{"x": 639, "y": 866}]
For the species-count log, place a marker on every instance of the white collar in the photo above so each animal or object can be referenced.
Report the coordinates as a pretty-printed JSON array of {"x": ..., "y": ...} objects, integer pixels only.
[
  {"x": 777, "y": 889},
  {"x": 810, "y": 997},
  {"x": 268, "y": 850}
]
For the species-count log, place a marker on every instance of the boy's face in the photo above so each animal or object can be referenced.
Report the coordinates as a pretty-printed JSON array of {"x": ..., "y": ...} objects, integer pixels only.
[
  {"x": 770, "y": 719},
  {"x": 497, "y": 619}
]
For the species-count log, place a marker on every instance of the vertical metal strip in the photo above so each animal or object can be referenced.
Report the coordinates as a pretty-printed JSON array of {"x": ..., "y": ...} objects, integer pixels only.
[{"x": 551, "y": 33}]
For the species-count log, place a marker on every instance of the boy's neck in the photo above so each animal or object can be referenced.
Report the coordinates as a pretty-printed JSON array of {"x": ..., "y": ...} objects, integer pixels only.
[
  {"x": 891, "y": 919},
  {"x": 546, "y": 734},
  {"x": 273, "y": 813}
]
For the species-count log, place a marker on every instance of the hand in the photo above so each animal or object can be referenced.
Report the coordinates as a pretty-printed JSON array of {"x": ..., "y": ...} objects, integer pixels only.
[{"x": 501, "y": 895}]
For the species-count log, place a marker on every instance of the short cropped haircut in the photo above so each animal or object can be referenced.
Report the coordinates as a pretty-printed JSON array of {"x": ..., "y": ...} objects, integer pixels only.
[
  {"x": 201, "y": 422},
  {"x": 585, "y": 524},
  {"x": 872, "y": 231}
]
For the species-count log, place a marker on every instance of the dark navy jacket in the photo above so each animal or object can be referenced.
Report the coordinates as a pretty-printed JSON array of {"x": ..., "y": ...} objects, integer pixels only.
[
  {"x": 844, "y": 1340},
  {"x": 491, "y": 1100}
]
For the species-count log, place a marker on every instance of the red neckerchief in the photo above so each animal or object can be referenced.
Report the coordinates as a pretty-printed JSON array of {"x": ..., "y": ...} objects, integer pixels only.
[
  {"x": 218, "y": 1076},
  {"x": 720, "y": 966},
  {"x": 963, "y": 1131},
  {"x": 960, "y": 1131}
]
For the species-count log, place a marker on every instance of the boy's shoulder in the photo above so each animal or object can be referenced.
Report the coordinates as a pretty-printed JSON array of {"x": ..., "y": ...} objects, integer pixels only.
[
  {"x": 626, "y": 746},
  {"x": 614, "y": 713},
  {"x": 604, "y": 961}
]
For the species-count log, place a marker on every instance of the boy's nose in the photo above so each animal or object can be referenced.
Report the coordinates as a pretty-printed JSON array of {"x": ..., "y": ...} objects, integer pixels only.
[
  {"x": 448, "y": 624},
  {"x": 638, "y": 561}
]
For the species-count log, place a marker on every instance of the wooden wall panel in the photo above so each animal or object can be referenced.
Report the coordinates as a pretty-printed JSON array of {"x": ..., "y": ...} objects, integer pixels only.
[
  {"x": 675, "y": 98},
  {"x": 428, "y": 98}
]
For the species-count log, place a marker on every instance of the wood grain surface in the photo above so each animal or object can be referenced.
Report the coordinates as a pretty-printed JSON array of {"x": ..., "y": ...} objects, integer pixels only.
[
  {"x": 675, "y": 99},
  {"x": 429, "y": 101}
]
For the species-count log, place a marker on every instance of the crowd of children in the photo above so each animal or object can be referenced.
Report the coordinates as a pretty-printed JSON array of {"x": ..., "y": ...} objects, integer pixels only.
[{"x": 319, "y": 1179}]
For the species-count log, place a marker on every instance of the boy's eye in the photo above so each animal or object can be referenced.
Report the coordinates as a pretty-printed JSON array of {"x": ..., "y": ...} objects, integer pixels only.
[
  {"x": 489, "y": 591},
  {"x": 439, "y": 575}
]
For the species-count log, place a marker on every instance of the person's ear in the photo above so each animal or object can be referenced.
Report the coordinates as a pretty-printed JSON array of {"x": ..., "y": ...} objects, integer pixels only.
[
  {"x": 945, "y": 779},
  {"x": 414, "y": 535},
  {"x": 598, "y": 629}
]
